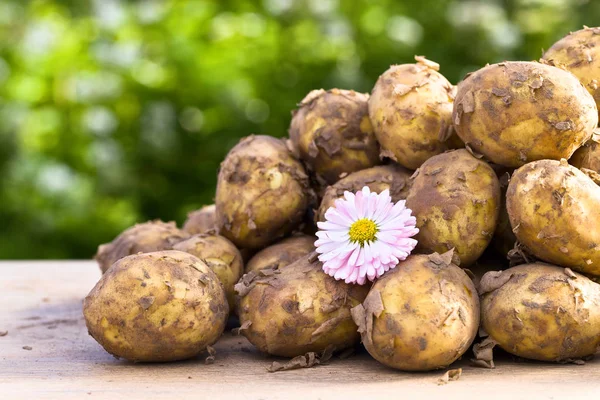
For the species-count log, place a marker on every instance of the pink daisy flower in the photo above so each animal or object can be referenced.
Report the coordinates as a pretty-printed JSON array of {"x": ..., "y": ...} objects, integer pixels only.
[{"x": 364, "y": 236}]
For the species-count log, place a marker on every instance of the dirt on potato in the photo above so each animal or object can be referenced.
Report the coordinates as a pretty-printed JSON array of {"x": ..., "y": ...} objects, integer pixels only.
[{"x": 332, "y": 133}]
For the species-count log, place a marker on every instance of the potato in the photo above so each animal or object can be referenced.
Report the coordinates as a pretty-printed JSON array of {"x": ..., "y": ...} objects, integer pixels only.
[
  {"x": 579, "y": 53},
  {"x": 456, "y": 200},
  {"x": 411, "y": 109},
  {"x": 331, "y": 132},
  {"x": 298, "y": 309},
  {"x": 421, "y": 315},
  {"x": 141, "y": 238},
  {"x": 393, "y": 177},
  {"x": 517, "y": 112},
  {"x": 262, "y": 192},
  {"x": 282, "y": 253},
  {"x": 201, "y": 221},
  {"x": 154, "y": 307},
  {"x": 554, "y": 209},
  {"x": 542, "y": 312},
  {"x": 588, "y": 155},
  {"x": 504, "y": 238},
  {"x": 221, "y": 256}
]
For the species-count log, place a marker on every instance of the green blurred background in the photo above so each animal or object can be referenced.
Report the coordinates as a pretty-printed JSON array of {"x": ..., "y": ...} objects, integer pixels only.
[{"x": 114, "y": 112}]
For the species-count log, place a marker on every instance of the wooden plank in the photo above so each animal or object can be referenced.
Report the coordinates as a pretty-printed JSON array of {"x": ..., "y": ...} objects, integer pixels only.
[{"x": 41, "y": 304}]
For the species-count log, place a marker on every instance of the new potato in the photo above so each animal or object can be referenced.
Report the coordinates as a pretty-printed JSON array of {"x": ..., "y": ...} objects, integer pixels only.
[
  {"x": 201, "y": 221},
  {"x": 331, "y": 132},
  {"x": 298, "y": 309},
  {"x": 456, "y": 200},
  {"x": 155, "y": 307},
  {"x": 421, "y": 315},
  {"x": 541, "y": 312},
  {"x": 516, "y": 112},
  {"x": 588, "y": 155},
  {"x": 393, "y": 177},
  {"x": 554, "y": 211},
  {"x": 411, "y": 110},
  {"x": 262, "y": 192}
]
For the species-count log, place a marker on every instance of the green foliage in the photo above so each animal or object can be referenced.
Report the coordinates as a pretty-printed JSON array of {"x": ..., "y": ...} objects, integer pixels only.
[{"x": 115, "y": 111}]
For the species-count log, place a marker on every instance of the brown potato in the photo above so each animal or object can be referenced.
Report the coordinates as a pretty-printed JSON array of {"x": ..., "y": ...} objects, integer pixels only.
[
  {"x": 298, "y": 309},
  {"x": 517, "y": 112},
  {"x": 421, "y": 315},
  {"x": 141, "y": 238},
  {"x": 156, "y": 307},
  {"x": 393, "y": 177},
  {"x": 411, "y": 109},
  {"x": 553, "y": 209},
  {"x": 456, "y": 200},
  {"x": 504, "y": 238},
  {"x": 201, "y": 221},
  {"x": 262, "y": 192},
  {"x": 331, "y": 132},
  {"x": 541, "y": 312},
  {"x": 588, "y": 155},
  {"x": 282, "y": 253},
  {"x": 579, "y": 53},
  {"x": 221, "y": 256}
]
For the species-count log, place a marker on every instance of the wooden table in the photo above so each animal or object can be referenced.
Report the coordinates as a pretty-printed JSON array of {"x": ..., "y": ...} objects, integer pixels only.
[{"x": 41, "y": 308}]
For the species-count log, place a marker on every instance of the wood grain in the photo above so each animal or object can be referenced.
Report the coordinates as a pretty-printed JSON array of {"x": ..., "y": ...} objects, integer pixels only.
[{"x": 41, "y": 308}]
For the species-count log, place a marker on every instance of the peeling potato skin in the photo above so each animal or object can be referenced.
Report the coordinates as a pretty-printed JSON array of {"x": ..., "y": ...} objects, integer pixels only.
[
  {"x": 156, "y": 307},
  {"x": 282, "y": 253},
  {"x": 411, "y": 108},
  {"x": 429, "y": 318},
  {"x": 331, "y": 132},
  {"x": 141, "y": 238},
  {"x": 299, "y": 310},
  {"x": 517, "y": 112},
  {"x": 456, "y": 200},
  {"x": 553, "y": 209},
  {"x": 579, "y": 53},
  {"x": 221, "y": 256},
  {"x": 201, "y": 221},
  {"x": 588, "y": 155},
  {"x": 393, "y": 177},
  {"x": 262, "y": 192},
  {"x": 541, "y": 312}
]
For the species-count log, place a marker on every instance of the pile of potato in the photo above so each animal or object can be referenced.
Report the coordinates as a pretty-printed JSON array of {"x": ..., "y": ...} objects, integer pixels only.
[{"x": 484, "y": 166}]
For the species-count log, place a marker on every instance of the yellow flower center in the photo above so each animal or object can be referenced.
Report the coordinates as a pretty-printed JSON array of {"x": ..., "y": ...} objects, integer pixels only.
[{"x": 363, "y": 231}]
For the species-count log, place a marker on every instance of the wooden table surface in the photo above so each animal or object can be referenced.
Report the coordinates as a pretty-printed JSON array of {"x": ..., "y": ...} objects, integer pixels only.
[{"x": 41, "y": 308}]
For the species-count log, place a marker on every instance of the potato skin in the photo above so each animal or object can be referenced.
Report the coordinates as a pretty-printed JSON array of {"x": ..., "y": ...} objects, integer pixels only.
[
  {"x": 282, "y": 253},
  {"x": 262, "y": 192},
  {"x": 221, "y": 256},
  {"x": 393, "y": 177},
  {"x": 140, "y": 238},
  {"x": 456, "y": 200},
  {"x": 331, "y": 132},
  {"x": 421, "y": 315},
  {"x": 517, "y": 112},
  {"x": 542, "y": 312},
  {"x": 201, "y": 221},
  {"x": 298, "y": 310},
  {"x": 410, "y": 108},
  {"x": 156, "y": 307},
  {"x": 553, "y": 209},
  {"x": 579, "y": 53}
]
